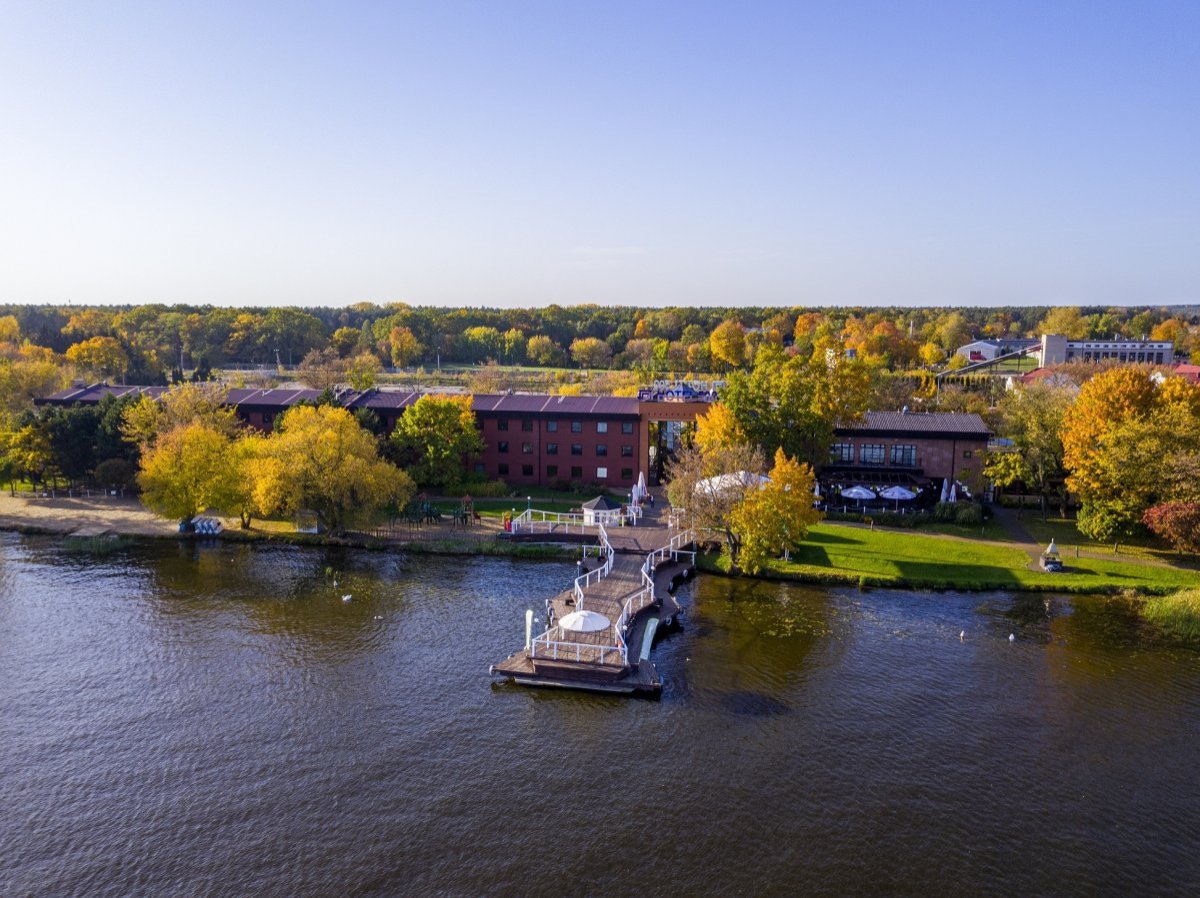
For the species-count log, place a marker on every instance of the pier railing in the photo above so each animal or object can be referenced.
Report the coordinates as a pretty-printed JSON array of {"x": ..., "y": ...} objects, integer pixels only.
[
  {"x": 547, "y": 646},
  {"x": 535, "y": 520},
  {"x": 583, "y": 581}
]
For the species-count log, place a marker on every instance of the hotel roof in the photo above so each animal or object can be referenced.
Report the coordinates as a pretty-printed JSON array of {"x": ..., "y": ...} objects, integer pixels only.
[{"x": 948, "y": 424}]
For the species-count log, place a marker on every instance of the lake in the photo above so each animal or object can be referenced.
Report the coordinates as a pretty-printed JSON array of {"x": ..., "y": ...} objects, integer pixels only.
[{"x": 194, "y": 720}]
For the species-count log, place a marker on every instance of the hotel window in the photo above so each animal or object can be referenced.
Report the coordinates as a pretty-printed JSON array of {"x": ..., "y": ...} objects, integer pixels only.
[
  {"x": 502, "y": 446},
  {"x": 527, "y": 448},
  {"x": 627, "y": 473},
  {"x": 626, "y": 452},
  {"x": 904, "y": 455},
  {"x": 502, "y": 425},
  {"x": 601, "y": 427},
  {"x": 551, "y": 470},
  {"x": 576, "y": 427},
  {"x": 602, "y": 450},
  {"x": 479, "y": 468},
  {"x": 843, "y": 452},
  {"x": 551, "y": 427},
  {"x": 602, "y": 473},
  {"x": 576, "y": 473},
  {"x": 503, "y": 469},
  {"x": 527, "y": 425},
  {"x": 871, "y": 453},
  {"x": 966, "y": 453},
  {"x": 526, "y": 470},
  {"x": 577, "y": 449},
  {"x": 552, "y": 448},
  {"x": 626, "y": 427}
]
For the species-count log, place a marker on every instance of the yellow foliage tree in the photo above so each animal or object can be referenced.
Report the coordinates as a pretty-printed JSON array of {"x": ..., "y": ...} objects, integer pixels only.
[
  {"x": 187, "y": 471},
  {"x": 181, "y": 405},
  {"x": 331, "y": 465},
  {"x": 99, "y": 355},
  {"x": 772, "y": 519},
  {"x": 717, "y": 428},
  {"x": 727, "y": 343}
]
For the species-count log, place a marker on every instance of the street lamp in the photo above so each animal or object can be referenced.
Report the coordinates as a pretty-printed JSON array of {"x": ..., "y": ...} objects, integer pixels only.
[{"x": 529, "y": 503}]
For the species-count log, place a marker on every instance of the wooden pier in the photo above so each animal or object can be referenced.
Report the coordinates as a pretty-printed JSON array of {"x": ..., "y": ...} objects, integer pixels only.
[{"x": 629, "y": 575}]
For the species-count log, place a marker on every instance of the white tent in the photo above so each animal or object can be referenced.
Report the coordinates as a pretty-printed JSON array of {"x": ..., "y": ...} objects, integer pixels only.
[
  {"x": 601, "y": 510},
  {"x": 725, "y": 483}
]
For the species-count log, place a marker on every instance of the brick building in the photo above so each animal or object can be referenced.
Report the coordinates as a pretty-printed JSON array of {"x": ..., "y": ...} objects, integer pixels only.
[{"x": 909, "y": 448}]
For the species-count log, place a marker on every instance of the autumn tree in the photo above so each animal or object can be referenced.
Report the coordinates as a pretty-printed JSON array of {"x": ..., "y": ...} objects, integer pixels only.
[
  {"x": 330, "y": 465},
  {"x": 405, "y": 347},
  {"x": 590, "y": 352},
  {"x": 541, "y": 350},
  {"x": 435, "y": 435},
  {"x": 1125, "y": 440},
  {"x": 717, "y": 428},
  {"x": 100, "y": 356},
  {"x": 196, "y": 403},
  {"x": 727, "y": 344},
  {"x": 1178, "y": 523},
  {"x": 772, "y": 519},
  {"x": 188, "y": 470},
  {"x": 706, "y": 487},
  {"x": 1066, "y": 322},
  {"x": 1032, "y": 417}
]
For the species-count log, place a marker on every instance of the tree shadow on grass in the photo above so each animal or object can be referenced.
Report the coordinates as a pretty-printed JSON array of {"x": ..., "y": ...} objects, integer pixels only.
[
  {"x": 824, "y": 536},
  {"x": 949, "y": 575}
]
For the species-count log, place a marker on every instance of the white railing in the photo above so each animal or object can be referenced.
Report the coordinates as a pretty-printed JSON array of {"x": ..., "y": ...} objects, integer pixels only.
[
  {"x": 535, "y": 520},
  {"x": 583, "y": 581},
  {"x": 547, "y": 646}
]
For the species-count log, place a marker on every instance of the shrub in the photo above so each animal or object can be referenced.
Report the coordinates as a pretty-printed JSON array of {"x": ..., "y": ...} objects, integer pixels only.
[
  {"x": 969, "y": 514},
  {"x": 944, "y": 512}
]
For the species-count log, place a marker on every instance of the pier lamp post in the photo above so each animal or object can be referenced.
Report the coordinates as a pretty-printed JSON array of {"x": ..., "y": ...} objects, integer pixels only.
[{"x": 529, "y": 503}]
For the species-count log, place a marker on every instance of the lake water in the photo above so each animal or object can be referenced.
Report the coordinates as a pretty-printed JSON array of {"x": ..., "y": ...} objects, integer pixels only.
[{"x": 189, "y": 721}]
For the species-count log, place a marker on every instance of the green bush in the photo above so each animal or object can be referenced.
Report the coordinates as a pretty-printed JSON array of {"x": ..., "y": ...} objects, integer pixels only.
[
  {"x": 969, "y": 514},
  {"x": 945, "y": 512}
]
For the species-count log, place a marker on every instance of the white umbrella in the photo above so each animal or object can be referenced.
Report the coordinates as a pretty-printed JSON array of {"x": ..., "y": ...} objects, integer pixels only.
[
  {"x": 953, "y": 497},
  {"x": 858, "y": 493},
  {"x": 585, "y": 622},
  {"x": 817, "y": 489},
  {"x": 945, "y": 490},
  {"x": 641, "y": 484},
  {"x": 898, "y": 493}
]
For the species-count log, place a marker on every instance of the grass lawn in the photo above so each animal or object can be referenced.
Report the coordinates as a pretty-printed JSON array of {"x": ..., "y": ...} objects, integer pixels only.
[
  {"x": 1063, "y": 531},
  {"x": 886, "y": 557}
]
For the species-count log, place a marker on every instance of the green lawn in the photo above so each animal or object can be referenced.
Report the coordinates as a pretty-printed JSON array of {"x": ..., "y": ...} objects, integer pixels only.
[
  {"x": 883, "y": 557},
  {"x": 1064, "y": 533}
]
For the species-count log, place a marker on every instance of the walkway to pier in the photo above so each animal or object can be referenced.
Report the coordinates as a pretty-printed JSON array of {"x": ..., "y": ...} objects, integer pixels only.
[{"x": 628, "y": 577}]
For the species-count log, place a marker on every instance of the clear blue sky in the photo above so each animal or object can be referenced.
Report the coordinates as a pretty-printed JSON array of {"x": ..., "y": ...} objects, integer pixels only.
[{"x": 509, "y": 153}]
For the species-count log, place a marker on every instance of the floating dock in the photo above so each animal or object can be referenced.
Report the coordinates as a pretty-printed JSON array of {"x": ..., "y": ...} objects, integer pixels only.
[{"x": 600, "y": 631}]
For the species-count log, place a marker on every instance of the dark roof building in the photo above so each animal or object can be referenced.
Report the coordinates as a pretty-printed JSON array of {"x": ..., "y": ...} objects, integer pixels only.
[{"x": 909, "y": 448}]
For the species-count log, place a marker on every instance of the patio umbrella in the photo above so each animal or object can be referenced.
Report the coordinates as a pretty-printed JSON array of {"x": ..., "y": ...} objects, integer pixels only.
[
  {"x": 953, "y": 497},
  {"x": 945, "y": 491},
  {"x": 898, "y": 493},
  {"x": 585, "y": 622},
  {"x": 858, "y": 493}
]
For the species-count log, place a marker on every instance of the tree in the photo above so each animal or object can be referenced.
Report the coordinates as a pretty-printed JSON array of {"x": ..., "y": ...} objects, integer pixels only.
[
  {"x": 717, "y": 428},
  {"x": 1066, "y": 322},
  {"x": 435, "y": 435},
  {"x": 1032, "y": 417},
  {"x": 774, "y": 518},
  {"x": 99, "y": 355},
  {"x": 541, "y": 350},
  {"x": 406, "y": 348},
  {"x": 363, "y": 371},
  {"x": 330, "y": 465},
  {"x": 1176, "y": 522},
  {"x": 590, "y": 352},
  {"x": 708, "y": 503},
  {"x": 931, "y": 354},
  {"x": 322, "y": 369},
  {"x": 727, "y": 343},
  {"x": 10, "y": 329},
  {"x": 794, "y": 403},
  {"x": 187, "y": 471},
  {"x": 198, "y": 403},
  {"x": 344, "y": 340}
]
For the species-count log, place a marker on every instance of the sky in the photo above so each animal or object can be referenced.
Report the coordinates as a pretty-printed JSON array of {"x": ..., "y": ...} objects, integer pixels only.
[{"x": 526, "y": 153}]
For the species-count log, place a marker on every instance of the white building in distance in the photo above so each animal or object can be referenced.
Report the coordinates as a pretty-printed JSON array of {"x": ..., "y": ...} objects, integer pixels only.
[{"x": 1057, "y": 349}]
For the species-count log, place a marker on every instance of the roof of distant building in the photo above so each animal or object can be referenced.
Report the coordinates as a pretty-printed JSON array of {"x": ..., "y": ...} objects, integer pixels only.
[{"x": 949, "y": 424}]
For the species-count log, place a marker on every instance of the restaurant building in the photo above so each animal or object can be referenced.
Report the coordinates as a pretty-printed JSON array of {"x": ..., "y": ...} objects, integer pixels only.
[{"x": 909, "y": 448}]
